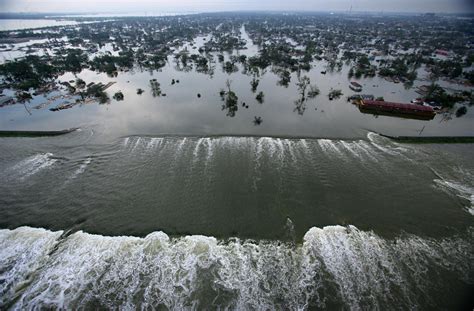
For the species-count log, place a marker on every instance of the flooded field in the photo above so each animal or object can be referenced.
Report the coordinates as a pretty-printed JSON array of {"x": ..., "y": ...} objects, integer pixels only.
[{"x": 16, "y": 24}]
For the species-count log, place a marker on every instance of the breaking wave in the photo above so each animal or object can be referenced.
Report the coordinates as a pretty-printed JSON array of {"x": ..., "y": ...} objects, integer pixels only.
[
  {"x": 279, "y": 149},
  {"x": 335, "y": 267}
]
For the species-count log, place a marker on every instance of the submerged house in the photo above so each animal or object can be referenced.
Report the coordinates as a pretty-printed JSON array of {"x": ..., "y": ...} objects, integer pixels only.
[{"x": 356, "y": 87}]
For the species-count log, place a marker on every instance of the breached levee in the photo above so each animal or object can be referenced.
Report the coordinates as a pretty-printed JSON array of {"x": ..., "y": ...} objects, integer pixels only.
[
  {"x": 276, "y": 148},
  {"x": 335, "y": 267}
]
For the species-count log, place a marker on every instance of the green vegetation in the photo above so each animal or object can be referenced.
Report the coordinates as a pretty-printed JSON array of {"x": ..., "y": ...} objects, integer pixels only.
[
  {"x": 334, "y": 94},
  {"x": 303, "y": 84},
  {"x": 398, "y": 69},
  {"x": 231, "y": 100},
  {"x": 257, "y": 120},
  {"x": 118, "y": 96},
  {"x": 155, "y": 88},
  {"x": 23, "y": 96},
  {"x": 80, "y": 84},
  {"x": 97, "y": 91},
  {"x": 437, "y": 94},
  {"x": 254, "y": 84},
  {"x": 361, "y": 65},
  {"x": 285, "y": 77},
  {"x": 461, "y": 111},
  {"x": 313, "y": 91}
]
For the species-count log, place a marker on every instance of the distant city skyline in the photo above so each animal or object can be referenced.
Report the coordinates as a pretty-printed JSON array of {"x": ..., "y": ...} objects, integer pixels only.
[{"x": 142, "y": 7}]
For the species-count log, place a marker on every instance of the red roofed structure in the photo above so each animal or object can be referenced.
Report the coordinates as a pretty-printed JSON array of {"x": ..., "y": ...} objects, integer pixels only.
[
  {"x": 442, "y": 52},
  {"x": 404, "y": 110}
]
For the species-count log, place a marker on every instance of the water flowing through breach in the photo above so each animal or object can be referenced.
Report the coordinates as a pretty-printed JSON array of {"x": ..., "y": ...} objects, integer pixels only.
[
  {"x": 334, "y": 267},
  {"x": 236, "y": 186}
]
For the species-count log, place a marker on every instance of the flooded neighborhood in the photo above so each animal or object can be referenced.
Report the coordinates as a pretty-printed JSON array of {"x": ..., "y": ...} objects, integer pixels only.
[{"x": 342, "y": 61}]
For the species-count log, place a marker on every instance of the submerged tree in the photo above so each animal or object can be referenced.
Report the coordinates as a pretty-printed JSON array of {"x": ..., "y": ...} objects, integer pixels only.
[
  {"x": 285, "y": 78},
  {"x": 231, "y": 101},
  {"x": 300, "y": 103},
  {"x": 118, "y": 96},
  {"x": 97, "y": 91},
  {"x": 254, "y": 84},
  {"x": 257, "y": 120},
  {"x": 334, "y": 94},
  {"x": 230, "y": 67},
  {"x": 80, "y": 84},
  {"x": 313, "y": 91},
  {"x": 302, "y": 84},
  {"x": 350, "y": 74},
  {"x": 155, "y": 88},
  {"x": 222, "y": 94},
  {"x": 23, "y": 96},
  {"x": 260, "y": 97},
  {"x": 461, "y": 111}
]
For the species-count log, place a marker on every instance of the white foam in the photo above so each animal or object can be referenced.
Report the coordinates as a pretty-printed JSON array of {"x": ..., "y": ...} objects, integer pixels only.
[
  {"x": 137, "y": 143},
  {"x": 363, "y": 270},
  {"x": 351, "y": 147},
  {"x": 33, "y": 165},
  {"x": 281, "y": 149},
  {"x": 289, "y": 145},
  {"x": 463, "y": 191},
  {"x": 375, "y": 138},
  {"x": 330, "y": 146},
  {"x": 181, "y": 145},
  {"x": 22, "y": 252},
  {"x": 82, "y": 168},
  {"x": 210, "y": 150},
  {"x": 196, "y": 149},
  {"x": 304, "y": 143},
  {"x": 259, "y": 150},
  {"x": 269, "y": 144},
  {"x": 367, "y": 149},
  {"x": 125, "y": 141},
  {"x": 359, "y": 262},
  {"x": 152, "y": 143}
]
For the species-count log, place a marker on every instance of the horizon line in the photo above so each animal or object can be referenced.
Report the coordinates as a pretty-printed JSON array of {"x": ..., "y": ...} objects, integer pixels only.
[{"x": 140, "y": 14}]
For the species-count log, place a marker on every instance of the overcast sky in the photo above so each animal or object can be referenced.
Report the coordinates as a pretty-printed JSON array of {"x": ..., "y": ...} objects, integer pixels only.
[{"x": 163, "y": 6}]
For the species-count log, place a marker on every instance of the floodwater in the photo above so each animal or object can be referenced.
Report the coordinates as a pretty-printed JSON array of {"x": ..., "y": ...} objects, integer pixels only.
[
  {"x": 166, "y": 202},
  {"x": 18, "y": 24},
  {"x": 182, "y": 112}
]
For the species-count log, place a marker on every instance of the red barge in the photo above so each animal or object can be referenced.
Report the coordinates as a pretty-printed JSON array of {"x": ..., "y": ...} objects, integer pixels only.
[{"x": 411, "y": 111}]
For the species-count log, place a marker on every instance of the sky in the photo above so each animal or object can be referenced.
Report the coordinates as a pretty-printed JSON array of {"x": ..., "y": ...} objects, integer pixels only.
[{"x": 176, "y": 6}]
